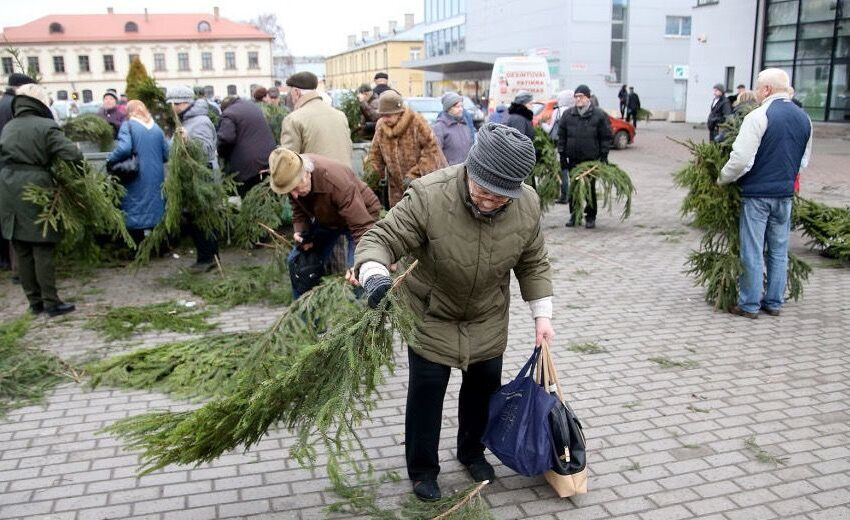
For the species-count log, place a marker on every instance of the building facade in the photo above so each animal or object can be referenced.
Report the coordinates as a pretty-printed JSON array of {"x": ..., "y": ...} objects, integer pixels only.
[
  {"x": 379, "y": 52},
  {"x": 88, "y": 54}
]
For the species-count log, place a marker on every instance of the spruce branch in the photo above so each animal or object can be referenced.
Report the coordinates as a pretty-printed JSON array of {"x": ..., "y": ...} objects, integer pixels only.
[{"x": 615, "y": 183}]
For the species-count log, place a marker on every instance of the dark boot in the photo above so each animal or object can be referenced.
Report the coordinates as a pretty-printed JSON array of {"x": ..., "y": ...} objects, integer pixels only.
[
  {"x": 60, "y": 309},
  {"x": 590, "y": 223},
  {"x": 427, "y": 490},
  {"x": 737, "y": 311},
  {"x": 481, "y": 471},
  {"x": 571, "y": 222}
]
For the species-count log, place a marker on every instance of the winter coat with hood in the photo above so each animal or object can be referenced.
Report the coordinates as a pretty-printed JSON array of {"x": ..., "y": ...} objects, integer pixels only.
[
  {"x": 405, "y": 151},
  {"x": 199, "y": 126},
  {"x": 499, "y": 115},
  {"x": 519, "y": 117},
  {"x": 720, "y": 110},
  {"x": 28, "y": 146},
  {"x": 244, "y": 139},
  {"x": 143, "y": 204},
  {"x": 584, "y": 136},
  {"x": 318, "y": 128},
  {"x": 460, "y": 290},
  {"x": 452, "y": 137}
]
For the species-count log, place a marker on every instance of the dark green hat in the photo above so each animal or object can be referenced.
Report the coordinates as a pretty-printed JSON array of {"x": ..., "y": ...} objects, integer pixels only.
[{"x": 303, "y": 80}]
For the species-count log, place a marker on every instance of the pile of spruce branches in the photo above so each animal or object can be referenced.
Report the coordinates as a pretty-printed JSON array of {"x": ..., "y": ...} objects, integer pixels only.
[
  {"x": 614, "y": 183},
  {"x": 716, "y": 209},
  {"x": 83, "y": 204},
  {"x": 827, "y": 228},
  {"x": 261, "y": 208},
  {"x": 90, "y": 127},
  {"x": 546, "y": 175},
  {"x": 120, "y": 323}
]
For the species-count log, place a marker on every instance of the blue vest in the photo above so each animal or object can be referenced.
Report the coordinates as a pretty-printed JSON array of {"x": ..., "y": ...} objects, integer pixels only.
[{"x": 780, "y": 153}]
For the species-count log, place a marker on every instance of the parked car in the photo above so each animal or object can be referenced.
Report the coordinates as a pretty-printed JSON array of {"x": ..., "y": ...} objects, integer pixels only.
[
  {"x": 624, "y": 132},
  {"x": 428, "y": 107}
]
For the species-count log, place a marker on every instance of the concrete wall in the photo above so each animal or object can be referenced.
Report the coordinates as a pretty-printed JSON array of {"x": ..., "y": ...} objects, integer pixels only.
[{"x": 722, "y": 37}]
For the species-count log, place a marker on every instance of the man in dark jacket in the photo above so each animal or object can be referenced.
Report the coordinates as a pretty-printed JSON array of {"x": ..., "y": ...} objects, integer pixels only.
[
  {"x": 15, "y": 80},
  {"x": 632, "y": 106},
  {"x": 328, "y": 201},
  {"x": 382, "y": 81},
  {"x": 720, "y": 110},
  {"x": 245, "y": 141},
  {"x": 520, "y": 114},
  {"x": 29, "y": 145},
  {"x": 584, "y": 134}
]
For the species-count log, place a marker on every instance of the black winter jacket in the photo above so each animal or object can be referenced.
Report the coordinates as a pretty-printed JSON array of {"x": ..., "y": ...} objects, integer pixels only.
[
  {"x": 719, "y": 112},
  {"x": 245, "y": 139},
  {"x": 585, "y": 137},
  {"x": 519, "y": 117}
]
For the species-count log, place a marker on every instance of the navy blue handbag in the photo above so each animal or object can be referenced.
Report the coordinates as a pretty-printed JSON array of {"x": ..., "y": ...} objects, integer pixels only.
[{"x": 518, "y": 429}]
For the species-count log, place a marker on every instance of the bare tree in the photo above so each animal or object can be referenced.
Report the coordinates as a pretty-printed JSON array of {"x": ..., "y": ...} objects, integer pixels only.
[{"x": 283, "y": 62}]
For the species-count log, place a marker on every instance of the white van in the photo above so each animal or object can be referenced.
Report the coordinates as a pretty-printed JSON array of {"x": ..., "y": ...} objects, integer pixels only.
[{"x": 515, "y": 73}]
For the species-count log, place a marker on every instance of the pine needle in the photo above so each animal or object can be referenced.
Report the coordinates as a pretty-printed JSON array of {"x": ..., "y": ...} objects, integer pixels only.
[
  {"x": 546, "y": 175},
  {"x": 122, "y": 322},
  {"x": 274, "y": 116},
  {"x": 827, "y": 227},
  {"x": 614, "y": 182},
  {"x": 260, "y": 206},
  {"x": 241, "y": 285},
  {"x": 762, "y": 455},
  {"x": 26, "y": 374},
  {"x": 466, "y": 505},
  {"x": 90, "y": 127}
]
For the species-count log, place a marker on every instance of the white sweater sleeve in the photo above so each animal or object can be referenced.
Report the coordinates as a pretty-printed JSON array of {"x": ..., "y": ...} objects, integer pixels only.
[
  {"x": 370, "y": 269},
  {"x": 746, "y": 146},
  {"x": 541, "y": 308}
]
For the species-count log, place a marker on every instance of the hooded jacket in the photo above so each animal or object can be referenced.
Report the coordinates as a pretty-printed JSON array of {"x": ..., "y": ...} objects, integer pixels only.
[
  {"x": 405, "y": 151},
  {"x": 519, "y": 117},
  {"x": 196, "y": 121},
  {"x": 584, "y": 137},
  {"x": 452, "y": 137},
  {"x": 318, "y": 128},
  {"x": 28, "y": 146},
  {"x": 244, "y": 139},
  {"x": 460, "y": 291}
]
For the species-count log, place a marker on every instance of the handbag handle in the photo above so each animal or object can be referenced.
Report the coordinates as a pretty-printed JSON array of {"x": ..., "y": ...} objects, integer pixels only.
[{"x": 551, "y": 373}]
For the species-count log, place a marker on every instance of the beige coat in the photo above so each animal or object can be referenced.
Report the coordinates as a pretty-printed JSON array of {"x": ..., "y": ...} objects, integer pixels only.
[{"x": 318, "y": 128}]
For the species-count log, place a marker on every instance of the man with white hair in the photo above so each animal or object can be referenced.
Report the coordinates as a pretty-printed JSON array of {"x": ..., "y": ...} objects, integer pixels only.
[{"x": 773, "y": 144}]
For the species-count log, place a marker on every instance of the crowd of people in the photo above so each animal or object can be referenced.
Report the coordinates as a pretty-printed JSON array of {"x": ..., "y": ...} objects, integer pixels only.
[{"x": 458, "y": 202}]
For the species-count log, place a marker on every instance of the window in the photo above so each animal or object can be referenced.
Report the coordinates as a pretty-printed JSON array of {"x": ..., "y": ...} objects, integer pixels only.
[
  {"x": 159, "y": 61},
  {"x": 108, "y": 63},
  {"x": 230, "y": 62},
  {"x": 461, "y": 38},
  {"x": 83, "y": 62},
  {"x": 619, "y": 15},
  {"x": 414, "y": 53},
  {"x": 59, "y": 64},
  {"x": 131, "y": 27},
  {"x": 62, "y": 95},
  {"x": 706, "y": 2},
  {"x": 204, "y": 26},
  {"x": 209, "y": 92},
  {"x": 730, "y": 79},
  {"x": 231, "y": 90},
  {"x": 8, "y": 66},
  {"x": 56, "y": 28},
  {"x": 183, "y": 61},
  {"x": 133, "y": 56},
  {"x": 253, "y": 60},
  {"x": 32, "y": 64},
  {"x": 87, "y": 96},
  {"x": 678, "y": 26},
  {"x": 206, "y": 61}
]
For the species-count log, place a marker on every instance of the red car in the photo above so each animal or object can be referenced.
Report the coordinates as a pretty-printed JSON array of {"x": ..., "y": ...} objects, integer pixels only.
[{"x": 624, "y": 132}]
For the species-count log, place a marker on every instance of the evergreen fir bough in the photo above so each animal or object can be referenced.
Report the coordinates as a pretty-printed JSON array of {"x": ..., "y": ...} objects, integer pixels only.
[
  {"x": 614, "y": 183},
  {"x": 827, "y": 228},
  {"x": 274, "y": 115},
  {"x": 122, "y": 322},
  {"x": 546, "y": 175},
  {"x": 90, "y": 127},
  {"x": 259, "y": 208}
]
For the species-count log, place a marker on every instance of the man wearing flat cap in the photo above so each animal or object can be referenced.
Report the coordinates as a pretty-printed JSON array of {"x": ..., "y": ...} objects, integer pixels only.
[
  {"x": 314, "y": 126},
  {"x": 469, "y": 225},
  {"x": 382, "y": 81},
  {"x": 327, "y": 200}
]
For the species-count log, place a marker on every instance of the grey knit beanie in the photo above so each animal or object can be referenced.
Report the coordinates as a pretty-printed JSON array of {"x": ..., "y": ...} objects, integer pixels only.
[
  {"x": 523, "y": 97},
  {"x": 500, "y": 160},
  {"x": 450, "y": 99},
  {"x": 181, "y": 94}
]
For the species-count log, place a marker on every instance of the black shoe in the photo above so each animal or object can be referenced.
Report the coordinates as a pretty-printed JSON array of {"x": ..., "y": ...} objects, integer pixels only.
[
  {"x": 16, "y": 279},
  {"x": 36, "y": 308},
  {"x": 62, "y": 308},
  {"x": 590, "y": 224},
  {"x": 737, "y": 311},
  {"x": 571, "y": 223},
  {"x": 427, "y": 490},
  {"x": 769, "y": 311},
  {"x": 201, "y": 267},
  {"x": 561, "y": 201},
  {"x": 481, "y": 471}
]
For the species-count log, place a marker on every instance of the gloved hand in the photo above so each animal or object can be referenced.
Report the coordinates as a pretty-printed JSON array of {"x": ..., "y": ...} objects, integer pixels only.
[{"x": 376, "y": 288}]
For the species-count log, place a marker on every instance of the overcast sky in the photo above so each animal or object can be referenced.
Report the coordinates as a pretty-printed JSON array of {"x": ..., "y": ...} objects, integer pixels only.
[{"x": 312, "y": 26}]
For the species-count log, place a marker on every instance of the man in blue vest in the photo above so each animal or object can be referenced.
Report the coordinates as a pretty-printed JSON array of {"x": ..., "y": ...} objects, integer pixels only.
[{"x": 774, "y": 143}]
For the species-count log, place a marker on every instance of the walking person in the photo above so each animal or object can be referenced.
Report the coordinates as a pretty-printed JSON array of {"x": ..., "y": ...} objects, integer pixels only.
[
  {"x": 520, "y": 114},
  {"x": 404, "y": 147},
  {"x": 565, "y": 102},
  {"x": 197, "y": 126},
  {"x": 140, "y": 137},
  {"x": 773, "y": 145},
  {"x": 720, "y": 110},
  {"x": 29, "y": 145},
  {"x": 245, "y": 141},
  {"x": 469, "y": 226},
  {"x": 584, "y": 135},
  {"x": 452, "y": 130},
  {"x": 632, "y": 106},
  {"x": 623, "y": 96}
]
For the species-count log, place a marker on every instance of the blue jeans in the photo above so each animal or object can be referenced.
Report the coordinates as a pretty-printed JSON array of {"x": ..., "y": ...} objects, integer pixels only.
[
  {"x": 324, "y": 239},
  {"x": 764, "y": 221}
]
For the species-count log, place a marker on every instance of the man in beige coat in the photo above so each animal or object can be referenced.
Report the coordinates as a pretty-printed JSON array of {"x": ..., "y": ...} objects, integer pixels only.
[{"x": 314, "y": 126}]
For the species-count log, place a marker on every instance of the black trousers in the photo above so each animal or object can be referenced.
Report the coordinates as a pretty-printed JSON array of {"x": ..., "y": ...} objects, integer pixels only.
[
  {"x": 632, "y": 116},
  {"x": 37, "y": 272},
  {"x": 206, "y": 246},
  {"x": 5, "y": 254},
  {"x": 590, "y": 207},
  {"x": 424, "y": 412},
  {"x": 245, "y": 187}
]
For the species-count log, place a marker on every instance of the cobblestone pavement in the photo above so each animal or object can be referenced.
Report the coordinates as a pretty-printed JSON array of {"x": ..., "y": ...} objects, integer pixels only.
[{"x": 664, "y": 443}]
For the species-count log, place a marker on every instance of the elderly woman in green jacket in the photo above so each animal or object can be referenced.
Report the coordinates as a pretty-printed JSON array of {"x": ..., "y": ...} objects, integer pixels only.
[
  {"x": 28, "y": 146},
  {"x": 469, "y": 225}
]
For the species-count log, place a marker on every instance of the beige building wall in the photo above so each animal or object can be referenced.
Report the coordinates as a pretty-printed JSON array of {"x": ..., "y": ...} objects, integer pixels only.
[
  {"x": 350, "y": 69},
  {"x": 98, "y": 80}
]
